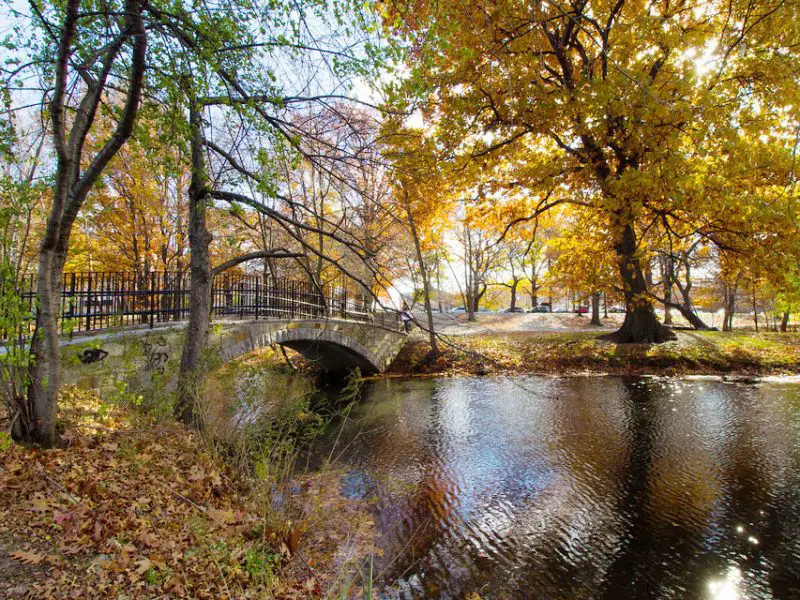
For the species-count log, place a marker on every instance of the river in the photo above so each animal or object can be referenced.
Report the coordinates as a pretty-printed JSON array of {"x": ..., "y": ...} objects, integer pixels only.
[{"x": 579, "y": 487}]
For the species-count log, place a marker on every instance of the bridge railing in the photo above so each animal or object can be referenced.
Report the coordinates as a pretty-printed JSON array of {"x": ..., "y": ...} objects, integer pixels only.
[{"x": 109, "y": 300}]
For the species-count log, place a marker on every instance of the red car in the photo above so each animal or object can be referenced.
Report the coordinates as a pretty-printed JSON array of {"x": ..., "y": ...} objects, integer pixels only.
[{"x": 581, "y": 310}]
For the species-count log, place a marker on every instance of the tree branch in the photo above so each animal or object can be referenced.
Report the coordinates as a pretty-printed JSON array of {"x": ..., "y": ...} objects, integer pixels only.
[{"x": 276, "y": 253}]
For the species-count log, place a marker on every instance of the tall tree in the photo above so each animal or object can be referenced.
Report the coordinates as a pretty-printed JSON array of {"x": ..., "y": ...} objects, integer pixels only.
[
  {"x": 417, "y": 182},
  {"x": 247, "y": 76},
  {"x": 134, "y": 220},
  {"x": 84, "y": 54},
  {"x": 620, "y": 104}
]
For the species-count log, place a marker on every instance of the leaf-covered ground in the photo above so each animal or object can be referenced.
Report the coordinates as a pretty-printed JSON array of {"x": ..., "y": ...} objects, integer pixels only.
[
  {"x": 131, "y": 508},
  {"x": 710, "y": 352}
]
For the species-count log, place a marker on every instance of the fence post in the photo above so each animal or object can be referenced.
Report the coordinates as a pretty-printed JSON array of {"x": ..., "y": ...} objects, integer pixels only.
[
  {"x": 102, "y": 295},
  {"x": 291, "y": 299},
  {"x": 71, "y": 297},
  {"x": 89, "y": 302},
  {"x": 329, "y": 302},
  {"x": 214, "y": 292},
  {"x": 152, "y": 297}
]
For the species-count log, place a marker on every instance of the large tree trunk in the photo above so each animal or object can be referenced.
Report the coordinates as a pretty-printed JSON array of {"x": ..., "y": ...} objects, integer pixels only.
[
  {"x": 477, "y": 297},
  {"x": 36, "y": 420},
  {"x": 785, "y": 321},
  {"x": 470, "y": 303},
  {"x": 595, "y": 309},
  {"x": 470, "y": 306},
  {"x": 640, "y": 325},
  {"x": 200, "y": 271}
]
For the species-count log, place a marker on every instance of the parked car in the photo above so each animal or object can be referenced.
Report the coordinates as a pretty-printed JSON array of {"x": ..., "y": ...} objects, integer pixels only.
[
  {"x": 516, "y": 309},
  {"x": 542, "y": 308},
  {"x": 457, "y": 309},
  {"x": 581, "y": 310},
  {"x": 616, "y": 309}
]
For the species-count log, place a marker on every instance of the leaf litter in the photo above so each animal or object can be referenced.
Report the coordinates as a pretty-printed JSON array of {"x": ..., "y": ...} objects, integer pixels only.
[{"x": 133, "y": 509}]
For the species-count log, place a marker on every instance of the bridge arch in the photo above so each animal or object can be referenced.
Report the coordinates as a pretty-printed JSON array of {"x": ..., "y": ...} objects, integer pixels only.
[{"x": 336, "y": 345}]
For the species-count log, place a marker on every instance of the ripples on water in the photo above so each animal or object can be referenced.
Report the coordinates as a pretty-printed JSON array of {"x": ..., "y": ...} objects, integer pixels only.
[{"x": 587, "y": 487}]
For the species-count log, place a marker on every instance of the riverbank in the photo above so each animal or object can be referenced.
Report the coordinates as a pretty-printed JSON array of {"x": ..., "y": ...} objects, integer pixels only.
[
  {"x": 571, "y": 352},
  {"x": 134, "y": 505}
]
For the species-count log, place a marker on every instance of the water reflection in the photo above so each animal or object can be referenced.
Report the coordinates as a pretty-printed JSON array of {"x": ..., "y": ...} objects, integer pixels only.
[{"x": 581, "y": 487}]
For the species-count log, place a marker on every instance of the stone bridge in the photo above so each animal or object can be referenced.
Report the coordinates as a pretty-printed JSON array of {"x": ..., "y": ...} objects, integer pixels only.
[
  {"x": 142, "y": 358},
  {"x": 335, "y": 344}
]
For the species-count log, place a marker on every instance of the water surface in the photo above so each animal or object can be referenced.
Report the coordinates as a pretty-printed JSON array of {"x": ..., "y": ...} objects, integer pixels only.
[{"x": 583, "y": 487}]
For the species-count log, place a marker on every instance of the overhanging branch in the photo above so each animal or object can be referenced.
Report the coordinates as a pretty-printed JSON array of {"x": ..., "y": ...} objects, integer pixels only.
[{"x": 277, "y": 253}]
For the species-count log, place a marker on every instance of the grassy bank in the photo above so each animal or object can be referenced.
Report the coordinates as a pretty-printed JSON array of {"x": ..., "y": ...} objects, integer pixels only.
[
  {"x": 693, "y": 352},
  {"x": 134, "y": 505}
]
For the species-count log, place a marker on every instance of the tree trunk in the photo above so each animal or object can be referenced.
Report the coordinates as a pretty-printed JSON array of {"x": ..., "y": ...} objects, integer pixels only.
[
  {"x": 687, "y": 310},
  {"x": 755, "y": 309},
  {"x": 640, "y": 325},
  {"x": 666, "y": 277},
  {"x": 439, "y": 284},
  {"x": 729, "y": 306},
  {"x": 514, "y": 294},
  {"x": 689, "y": 314},
  {"x": 426, "y": 286},
  {"x": 36, "y": 421},
  {"x": 595, "y": 309},
  {"x": 477, "y": 297},
  {"x": 197, "y": 329},
  {"x": 470, "y": 306}
]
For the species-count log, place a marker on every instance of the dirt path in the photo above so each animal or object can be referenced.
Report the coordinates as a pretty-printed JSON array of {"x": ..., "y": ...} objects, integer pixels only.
[{"x": 457, "y": 324}]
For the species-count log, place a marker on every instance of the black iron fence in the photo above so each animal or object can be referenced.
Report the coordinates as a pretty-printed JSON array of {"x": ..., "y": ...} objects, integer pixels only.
[{"x": 101, "y": 301}]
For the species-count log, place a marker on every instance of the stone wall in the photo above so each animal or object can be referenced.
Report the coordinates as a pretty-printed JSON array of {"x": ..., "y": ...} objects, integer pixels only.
[{"x": 145, "y": 359}]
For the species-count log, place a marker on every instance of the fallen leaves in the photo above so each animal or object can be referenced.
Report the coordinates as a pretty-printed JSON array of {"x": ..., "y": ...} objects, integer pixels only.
[
  {"x": 29, "y": 558},
  {"x": 138, "y": 514},
  {"x": 143, "y": 566},
  {"x": 142, "y": 511},
  {"x": 221, "y": 517}
]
